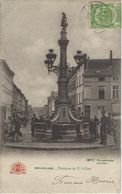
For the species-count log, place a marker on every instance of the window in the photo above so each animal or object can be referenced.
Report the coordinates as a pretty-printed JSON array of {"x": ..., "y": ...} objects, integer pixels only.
[
  {"x": 82, "y": 95},
  {"x": 79, "y": 98},
  {"x": 79, "y": 80},
  {"x": 115, "y": 92},
  {"x": 101, "y": 79},
  {"x": 87, "y": 111},
  {"x": 75, "y": 99},
  {"x": 101, "y": 92}
]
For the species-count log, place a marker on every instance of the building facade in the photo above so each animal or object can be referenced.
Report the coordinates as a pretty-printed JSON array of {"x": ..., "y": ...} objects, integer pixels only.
[
  {"x": 19, "y": 102},
  {"x": 72, "y": 89},
  {"x": 16, "y": 98},
  {"x": 97, "y": 87},
  {"x": 80, "y": 89},
  {"x": 6, "y": 90}
]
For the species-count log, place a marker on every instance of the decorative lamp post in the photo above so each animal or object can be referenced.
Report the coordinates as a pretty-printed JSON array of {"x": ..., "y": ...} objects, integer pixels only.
[
  {"x": 50, "y": 59},
  {"x": 63, "y": 125},
  {"x": 81, "y": 58}
]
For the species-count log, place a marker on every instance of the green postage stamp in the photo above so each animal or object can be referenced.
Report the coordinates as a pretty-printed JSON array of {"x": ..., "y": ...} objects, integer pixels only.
[{"x": 105, "y": 15}]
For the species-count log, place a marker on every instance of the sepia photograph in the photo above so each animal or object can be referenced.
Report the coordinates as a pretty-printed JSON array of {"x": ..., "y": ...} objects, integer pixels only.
[{"x": 60, "y": 96}]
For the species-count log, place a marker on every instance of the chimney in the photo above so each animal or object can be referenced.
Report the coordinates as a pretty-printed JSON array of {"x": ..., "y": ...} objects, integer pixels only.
[{"x": 110, "y": 57}]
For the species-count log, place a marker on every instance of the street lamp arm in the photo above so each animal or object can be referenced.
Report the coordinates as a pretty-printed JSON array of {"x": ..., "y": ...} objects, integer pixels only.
[
  {"x": 50, "y": 59},
  {"x": 81, "y": 58}
]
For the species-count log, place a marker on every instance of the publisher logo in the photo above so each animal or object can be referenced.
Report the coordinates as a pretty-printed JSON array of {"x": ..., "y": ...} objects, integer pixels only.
[{"x": 18, "y": 168}]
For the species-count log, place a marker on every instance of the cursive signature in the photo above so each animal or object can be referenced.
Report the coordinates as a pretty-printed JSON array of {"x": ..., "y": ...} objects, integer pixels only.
[
  {"x": 68, "y": 180},
  {"x": 97, "y": 179}
]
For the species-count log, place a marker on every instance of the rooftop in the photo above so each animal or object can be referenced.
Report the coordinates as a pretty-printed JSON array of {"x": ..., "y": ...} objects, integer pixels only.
[
  {"x": 103, "y": 67},
  {"x": 3, "y": 62}
]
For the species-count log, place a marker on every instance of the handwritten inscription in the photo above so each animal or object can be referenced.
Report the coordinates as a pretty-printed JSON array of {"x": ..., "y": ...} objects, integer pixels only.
[{"x": 66, "y": 179}]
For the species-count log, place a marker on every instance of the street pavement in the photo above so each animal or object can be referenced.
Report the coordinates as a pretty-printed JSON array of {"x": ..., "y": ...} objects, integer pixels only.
[{"x": 28, "y": 142}]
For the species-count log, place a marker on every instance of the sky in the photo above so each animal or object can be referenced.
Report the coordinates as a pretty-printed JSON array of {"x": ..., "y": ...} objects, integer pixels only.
[{"x": 29, "y": 28}]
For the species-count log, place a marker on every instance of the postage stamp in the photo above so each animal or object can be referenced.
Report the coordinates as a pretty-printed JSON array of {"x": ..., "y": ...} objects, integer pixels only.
[{"x": 105, "y": 15}]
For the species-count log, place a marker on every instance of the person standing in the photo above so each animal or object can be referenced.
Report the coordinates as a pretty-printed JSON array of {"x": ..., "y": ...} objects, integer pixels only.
[
  {"x": 116, "y": 132},
  {"x": 96, "y": 123},
  {"x": 9, "y": 123},
  {"x": 7, "y": 128},
  {"x": 82, "y": 117},
  {"x": 103, "y": 129},
  {"x": 91, "y": 129},
  {"x": 33, "y": 122},
  {"x": 17, "y": 127},
  {"x": 110, "y": 123}
]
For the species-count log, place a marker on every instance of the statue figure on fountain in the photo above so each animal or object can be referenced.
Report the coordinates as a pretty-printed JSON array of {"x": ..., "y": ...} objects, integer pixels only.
[{"x": 64, "y": 23}]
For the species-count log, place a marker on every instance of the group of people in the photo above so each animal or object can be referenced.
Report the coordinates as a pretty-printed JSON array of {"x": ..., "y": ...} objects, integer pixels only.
[
  {"x": 12, "y": 126},
  {"x": 98, "y": 128},
  {"x": 93, "y": 127},
  {"x": 111, "y": 126},
  {"x": 22, "y": 117},
  {"x": 34, "y": 120},
  {"x": 104, "y": 126}
]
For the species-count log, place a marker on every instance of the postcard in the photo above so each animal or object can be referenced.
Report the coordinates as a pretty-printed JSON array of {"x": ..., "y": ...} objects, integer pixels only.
[{"x": 60, "y": 96}]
